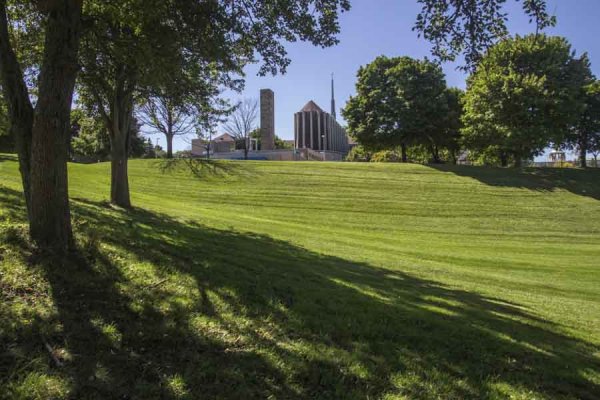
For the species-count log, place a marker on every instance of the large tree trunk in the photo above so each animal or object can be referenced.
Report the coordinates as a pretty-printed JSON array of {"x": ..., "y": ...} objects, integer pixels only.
[
  {"x": 50, "y": 224},
  {"x": 20, "y": 110}
]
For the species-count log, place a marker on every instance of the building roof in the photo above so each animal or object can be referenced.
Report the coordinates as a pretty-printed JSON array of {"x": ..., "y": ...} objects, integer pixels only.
[
  {"x": 225, "y": 137},
  {"x": 311, "y": 106}
]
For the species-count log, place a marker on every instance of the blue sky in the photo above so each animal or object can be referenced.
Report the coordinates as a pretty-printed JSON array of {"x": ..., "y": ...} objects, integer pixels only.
[{"x": 384, "y": 27}]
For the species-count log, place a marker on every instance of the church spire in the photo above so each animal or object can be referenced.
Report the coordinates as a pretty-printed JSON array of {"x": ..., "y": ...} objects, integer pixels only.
[{"x": 332, "y": 99}]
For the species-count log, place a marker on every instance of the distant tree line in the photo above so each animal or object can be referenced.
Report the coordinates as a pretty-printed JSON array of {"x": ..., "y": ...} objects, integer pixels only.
[{"x": 525, "y": 94}]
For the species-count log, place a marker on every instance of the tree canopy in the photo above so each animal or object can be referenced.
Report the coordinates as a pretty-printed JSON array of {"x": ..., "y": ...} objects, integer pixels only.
[
  {"x": 524, "y": 95},
  {"x": 470, "y": 27},
  {"x": 399, "y": 102},
  {"x": 585, "y": 135}
]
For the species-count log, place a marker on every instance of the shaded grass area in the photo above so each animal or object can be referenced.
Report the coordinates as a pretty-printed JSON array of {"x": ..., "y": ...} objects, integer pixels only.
[
  {"x": 577, "y": 181},
  {"x": 156, "y": 307}
]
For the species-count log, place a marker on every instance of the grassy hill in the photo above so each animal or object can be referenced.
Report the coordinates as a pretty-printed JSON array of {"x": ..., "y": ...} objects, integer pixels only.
[{"x": 308, "y": 280}]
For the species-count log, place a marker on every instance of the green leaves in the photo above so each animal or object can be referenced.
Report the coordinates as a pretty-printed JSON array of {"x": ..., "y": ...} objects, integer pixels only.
[
  {"x": 400, "y": 101},
  {"x": 470, "y": 27},
  {"x": 524, "y": 95}
]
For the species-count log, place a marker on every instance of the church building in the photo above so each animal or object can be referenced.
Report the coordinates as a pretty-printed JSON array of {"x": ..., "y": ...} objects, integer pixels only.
[{"x": 318, "y": 130}]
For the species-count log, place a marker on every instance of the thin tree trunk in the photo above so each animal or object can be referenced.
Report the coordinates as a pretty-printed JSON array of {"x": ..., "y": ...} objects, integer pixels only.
[
  {"x": 169, "y": 132},
  {"x": 582, "y": 153},
  {"x": 119, "y": 180},
  {"x": 518, "y": 161},
  {"x": 120, "y": 119},
  {"x": 503, "y": 159},
  {"x": 435, "y": 155},
  {"x": 119, "y": 151},
  {"x": 50, "y": 223},
  {"x": 169, "y": 146},
  {"x": 20, "y": 110},
  {"x": 403, "y": 153}
]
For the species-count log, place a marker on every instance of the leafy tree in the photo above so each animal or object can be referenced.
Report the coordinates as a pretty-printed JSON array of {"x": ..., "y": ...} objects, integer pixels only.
[
  {"x": 524, "y": 95},
  {"x": 242, "y": 123},
  {"x": 586, "y": 133},
  {"x": 470, "y": 27},
  {"x": 385, "y": 156},
  {"x": 399, "y": 102},
  {"x": 594, "y": 148},
  {"x": 42, "y": 133},
  {"x": 137, "y": 142},
  {"x": 89, "y": 138},
  {"x": 142, "y": 45},
  {"x": 359, "y": 153},
  {"x": 450, "y": 138},
  {"x": 280, "y": 144}
]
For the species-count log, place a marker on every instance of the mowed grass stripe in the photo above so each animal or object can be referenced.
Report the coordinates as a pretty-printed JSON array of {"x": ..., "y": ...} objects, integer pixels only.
[{"x": 347, "y": 280}]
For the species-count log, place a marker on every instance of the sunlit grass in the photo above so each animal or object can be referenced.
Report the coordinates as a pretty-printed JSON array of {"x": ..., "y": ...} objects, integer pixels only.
[{"x": 308, "y": 280}]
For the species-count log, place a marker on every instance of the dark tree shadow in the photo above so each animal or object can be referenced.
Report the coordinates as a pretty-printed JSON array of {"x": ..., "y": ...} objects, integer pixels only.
[
  {"x": 270, "y": 319},
  {"x": 203, "y": 168},
  {"x": 8, "y": 157},
  {"x": 581, "y": 182}
]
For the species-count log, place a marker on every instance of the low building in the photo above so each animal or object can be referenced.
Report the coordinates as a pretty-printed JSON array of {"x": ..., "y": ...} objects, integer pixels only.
[
  {"x": 557, "y": 156},
  {"x": 224, "y": 143}
]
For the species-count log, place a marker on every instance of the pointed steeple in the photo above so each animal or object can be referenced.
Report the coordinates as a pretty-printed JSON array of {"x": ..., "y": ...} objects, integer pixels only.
[{"x": 332, "y": 99}]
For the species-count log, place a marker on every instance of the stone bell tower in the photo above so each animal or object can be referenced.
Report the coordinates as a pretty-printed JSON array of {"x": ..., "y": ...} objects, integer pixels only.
[{"x": 267, "y": 119}]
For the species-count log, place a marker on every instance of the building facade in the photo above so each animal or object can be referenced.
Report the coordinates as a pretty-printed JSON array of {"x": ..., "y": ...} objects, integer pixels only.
[
  {"x": 224, "y": 143},
  {"x": 317, "y": 130}
]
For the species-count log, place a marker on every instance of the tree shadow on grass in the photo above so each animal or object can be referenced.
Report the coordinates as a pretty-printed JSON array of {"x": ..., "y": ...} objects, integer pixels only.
[
  {"x": 203, "y": 168},
  {"x": 8, "y": 157},
  {"x": 577, "y": 181},
  {"x": 208, "y": 313}
]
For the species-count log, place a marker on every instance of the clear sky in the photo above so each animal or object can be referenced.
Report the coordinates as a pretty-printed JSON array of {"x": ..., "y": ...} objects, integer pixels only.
[{"x": 384, "y": 27}]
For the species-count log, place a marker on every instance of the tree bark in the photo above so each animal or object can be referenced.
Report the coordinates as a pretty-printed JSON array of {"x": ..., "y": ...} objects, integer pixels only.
[
  {"x": 50, "y": 223},
  {"x": 503, "y": 159},
  {"x": 119, "y": 179},
  {"x": 518, "y": 161},
  {"x": 453, "y": 157},
  {"x": 121, "y": 109},
  {"x": 582, "y": 153},
  {"x": 403, "y": 153},
  {"x": 169, "y": 146},
  {"x": 169, "y": 132},
  {"x": 435, "y": 154},
  {"x": 20, "y": 110}
]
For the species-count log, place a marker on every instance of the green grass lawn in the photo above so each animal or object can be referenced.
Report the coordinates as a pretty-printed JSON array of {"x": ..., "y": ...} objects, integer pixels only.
[{"x": 308, "y": 280}]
